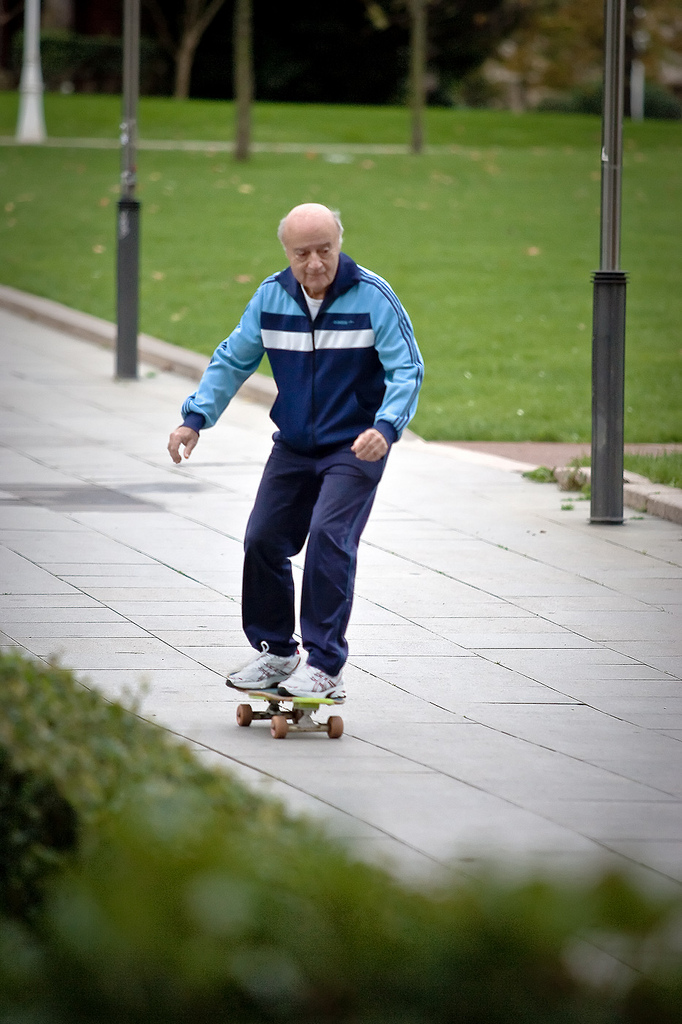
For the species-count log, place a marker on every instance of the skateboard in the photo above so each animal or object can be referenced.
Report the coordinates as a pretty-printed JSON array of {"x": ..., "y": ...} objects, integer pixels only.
[{"x": 298, "y": 717}]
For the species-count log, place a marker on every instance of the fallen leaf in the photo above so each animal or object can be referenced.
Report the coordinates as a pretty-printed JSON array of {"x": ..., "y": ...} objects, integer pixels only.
[
  {"x": 99, "y": 249},
  {"x": 532, "y": 250}
]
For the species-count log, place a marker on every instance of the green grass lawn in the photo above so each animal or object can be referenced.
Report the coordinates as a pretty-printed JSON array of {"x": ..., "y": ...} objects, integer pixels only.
[
  {"x": 664, "y": 468},
  {"x": 490, "y": 245}
]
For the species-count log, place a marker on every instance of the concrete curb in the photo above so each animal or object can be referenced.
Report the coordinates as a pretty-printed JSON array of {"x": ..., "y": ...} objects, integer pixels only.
[
  {"x": 161, "y": 354},
  {"x": 639, "y": 493}
]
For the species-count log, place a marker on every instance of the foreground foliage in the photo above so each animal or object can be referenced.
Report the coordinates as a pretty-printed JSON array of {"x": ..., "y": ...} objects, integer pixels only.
[{"x": 138, "y": 885}]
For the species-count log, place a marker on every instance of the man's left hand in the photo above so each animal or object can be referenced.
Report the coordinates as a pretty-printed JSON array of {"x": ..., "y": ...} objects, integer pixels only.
[{"x": 370, "y": 446}]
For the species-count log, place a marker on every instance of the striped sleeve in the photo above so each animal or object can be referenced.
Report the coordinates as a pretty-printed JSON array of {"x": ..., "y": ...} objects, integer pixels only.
[
  {"x": 398, "y": 351},
  {"x": 233, "y": 361}
]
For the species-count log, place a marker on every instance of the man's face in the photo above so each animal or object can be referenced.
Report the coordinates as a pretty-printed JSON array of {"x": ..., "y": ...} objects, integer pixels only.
[{"x": 311, "y": 242}]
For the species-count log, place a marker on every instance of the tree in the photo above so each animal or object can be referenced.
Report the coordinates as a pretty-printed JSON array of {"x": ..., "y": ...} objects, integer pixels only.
[
  {"x": 348, "y": 51},
  {"x": 181, "y": 40},
  {"x": 243, "y": 77},
  {"x": 418, "y": 26},
  {"x": 559, "y": 45},
  {"x": 460, "y": 34},
  {"x": 6, "y": 16}
]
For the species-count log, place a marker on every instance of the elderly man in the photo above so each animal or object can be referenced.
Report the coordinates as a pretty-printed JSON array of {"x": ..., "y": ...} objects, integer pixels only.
[{"x": 348, "y": 372}]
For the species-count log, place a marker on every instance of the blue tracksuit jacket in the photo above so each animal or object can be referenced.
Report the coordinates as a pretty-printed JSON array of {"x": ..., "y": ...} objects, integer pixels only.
[{"x": 355, "y": 366}]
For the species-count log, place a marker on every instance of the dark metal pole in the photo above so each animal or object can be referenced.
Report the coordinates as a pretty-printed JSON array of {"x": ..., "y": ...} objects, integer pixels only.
[
  {"x": 608, "y": 331},
  {"x": 128, "y": 253}
]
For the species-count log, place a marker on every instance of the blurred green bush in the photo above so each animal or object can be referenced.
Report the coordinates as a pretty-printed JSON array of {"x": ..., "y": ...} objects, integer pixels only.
[
  {"x": 659, "y": 103},
  {"x": 138, "y": 886},
  {"x": 70, "y": 61}
]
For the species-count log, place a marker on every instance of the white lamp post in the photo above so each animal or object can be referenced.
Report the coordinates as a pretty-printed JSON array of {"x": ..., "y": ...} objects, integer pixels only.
[{"x": 31, "y": 120}]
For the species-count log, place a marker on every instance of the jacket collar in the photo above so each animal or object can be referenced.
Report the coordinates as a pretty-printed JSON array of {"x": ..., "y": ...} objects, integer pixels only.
[{"x": 347, "y": 274}]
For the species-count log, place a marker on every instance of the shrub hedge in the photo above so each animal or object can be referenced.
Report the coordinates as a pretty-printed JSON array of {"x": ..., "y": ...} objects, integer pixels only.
[
  {"x": 659, "y": 104},
  {"x": 138, "y": 885},
  {"x": 92, "y": 63}
]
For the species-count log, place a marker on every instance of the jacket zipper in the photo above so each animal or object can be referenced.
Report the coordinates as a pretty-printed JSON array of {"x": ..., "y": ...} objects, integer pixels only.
[{"x": 312, "y": 388}]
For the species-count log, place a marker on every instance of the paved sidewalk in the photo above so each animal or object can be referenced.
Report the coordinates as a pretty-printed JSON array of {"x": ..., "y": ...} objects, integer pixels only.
[{"x": 515, "y": 673}]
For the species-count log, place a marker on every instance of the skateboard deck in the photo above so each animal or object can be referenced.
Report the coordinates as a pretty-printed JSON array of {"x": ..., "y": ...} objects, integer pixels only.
[{"x": 288, "y": 714}]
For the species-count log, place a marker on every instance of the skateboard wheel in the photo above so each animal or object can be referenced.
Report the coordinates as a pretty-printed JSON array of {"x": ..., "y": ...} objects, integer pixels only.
[
  {"x": 279, "y": 727},
  {"x": 334, "y": 727},
  {"x": 244, "y": 714}
]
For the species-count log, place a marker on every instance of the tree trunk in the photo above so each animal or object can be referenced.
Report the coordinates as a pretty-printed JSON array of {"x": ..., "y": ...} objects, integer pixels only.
[
  {"x": 243, "y": 78},
  {"x": 417, "y": 71},
  {"x": 184, "y": 59}
]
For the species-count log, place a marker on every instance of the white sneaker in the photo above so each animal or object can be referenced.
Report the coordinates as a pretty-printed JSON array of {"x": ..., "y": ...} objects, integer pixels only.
[
  {"x": 307, "y": 681},
  {"x": 264, "y": 671}
]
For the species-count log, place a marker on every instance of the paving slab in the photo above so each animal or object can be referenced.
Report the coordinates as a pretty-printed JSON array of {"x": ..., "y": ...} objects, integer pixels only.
[{"x": 515, "y": 674}]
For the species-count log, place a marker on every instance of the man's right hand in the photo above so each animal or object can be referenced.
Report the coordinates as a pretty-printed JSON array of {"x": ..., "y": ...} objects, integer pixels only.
[{"x": 182, "y": 437}]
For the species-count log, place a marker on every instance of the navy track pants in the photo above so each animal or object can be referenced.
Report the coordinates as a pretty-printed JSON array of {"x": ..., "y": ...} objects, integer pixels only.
[{"x": 328, "y": 500}]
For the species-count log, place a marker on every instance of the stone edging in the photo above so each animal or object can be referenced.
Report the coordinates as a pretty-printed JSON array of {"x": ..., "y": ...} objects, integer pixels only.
[
  {"x": 151, "y": 350},
  {"x": 639, "y": 493}
]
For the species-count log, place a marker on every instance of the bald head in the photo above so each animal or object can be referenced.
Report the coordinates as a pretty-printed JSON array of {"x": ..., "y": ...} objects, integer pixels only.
[
  {"x": 311, "y": 236},
  {"x": 309, "y": 215}
]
